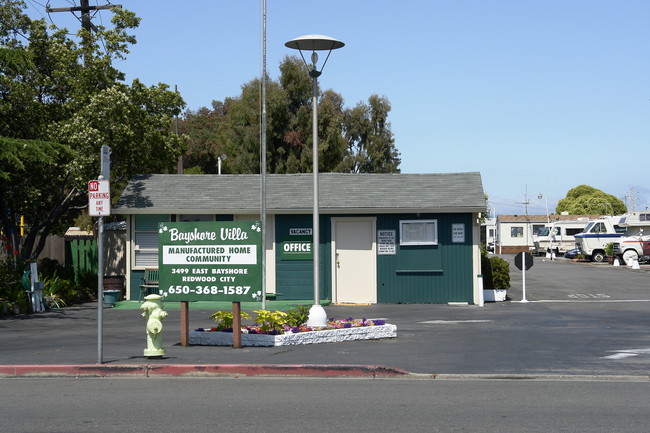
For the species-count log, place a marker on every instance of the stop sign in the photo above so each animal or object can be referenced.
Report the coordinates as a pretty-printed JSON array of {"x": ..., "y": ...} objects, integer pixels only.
[{"x": 523, "y": 259}]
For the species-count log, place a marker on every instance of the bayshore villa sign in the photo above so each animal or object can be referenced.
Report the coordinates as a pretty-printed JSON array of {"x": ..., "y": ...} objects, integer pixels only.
[
  {"x": 383, "y": 238},
  {"x": 210, "y": 261}
]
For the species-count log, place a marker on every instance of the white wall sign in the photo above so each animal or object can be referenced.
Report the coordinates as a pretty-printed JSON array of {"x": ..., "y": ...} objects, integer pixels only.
[
  {"x": 386, "y": 243},
  {"x": 458, "y": 233}
]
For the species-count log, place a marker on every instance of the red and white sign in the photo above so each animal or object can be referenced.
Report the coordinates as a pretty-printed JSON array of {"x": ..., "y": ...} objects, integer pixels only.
[{"x": 99, "y": 198}]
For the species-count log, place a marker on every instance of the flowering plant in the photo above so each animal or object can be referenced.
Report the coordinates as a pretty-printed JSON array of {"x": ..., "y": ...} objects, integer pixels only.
[{"x": 271, "y": 323}]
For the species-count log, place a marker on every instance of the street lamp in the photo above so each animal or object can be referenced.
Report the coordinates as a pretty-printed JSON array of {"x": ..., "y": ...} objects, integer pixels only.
[
  {"x": 313, "y": 43},
  {"x": 220, "y": 159}
]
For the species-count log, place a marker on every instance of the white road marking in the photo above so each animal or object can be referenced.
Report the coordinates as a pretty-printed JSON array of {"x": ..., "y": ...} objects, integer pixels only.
[
  {"x": 591, "y": 300},
  {"x": 622, "y": 354}
]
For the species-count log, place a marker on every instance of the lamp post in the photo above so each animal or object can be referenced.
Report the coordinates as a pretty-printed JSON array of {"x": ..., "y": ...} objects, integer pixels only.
[
  {"x": 313, "y": 43},
  {"x": 220, "y": 159}
]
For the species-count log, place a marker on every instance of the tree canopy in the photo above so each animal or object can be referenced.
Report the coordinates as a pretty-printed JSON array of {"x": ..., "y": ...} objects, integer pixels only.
[
  {"x": 587, "y": 200},
  {"x": 60, "y": 102},
  {"x": 353, "y": 140}
]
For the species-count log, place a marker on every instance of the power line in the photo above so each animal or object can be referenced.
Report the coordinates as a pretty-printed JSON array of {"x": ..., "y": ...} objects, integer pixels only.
[{"x": 85, "y": 19}]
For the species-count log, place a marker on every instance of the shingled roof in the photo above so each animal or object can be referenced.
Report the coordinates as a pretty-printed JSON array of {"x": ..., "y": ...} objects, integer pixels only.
[{"x": 292, "y": 193}]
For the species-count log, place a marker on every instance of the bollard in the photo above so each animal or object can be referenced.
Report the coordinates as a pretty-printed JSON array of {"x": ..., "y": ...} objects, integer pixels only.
[{"x": 154, "y": 313}]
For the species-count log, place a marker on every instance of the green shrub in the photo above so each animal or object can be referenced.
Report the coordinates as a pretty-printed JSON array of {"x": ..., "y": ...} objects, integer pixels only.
[
  {"x": 297, "y": 316},
  {"x": 225, "y": 319},
  {"x": 486, "y": 269},
  {"x": 500, "y": 269},
  {"x": 270, "y": 320},
  {"x": 13, "y": 299}
]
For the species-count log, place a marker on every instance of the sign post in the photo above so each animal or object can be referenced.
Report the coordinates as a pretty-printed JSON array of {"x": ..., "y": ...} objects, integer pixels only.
[
  {"x": 99, "y": 205},
  {"x": 523, "y": 262}
]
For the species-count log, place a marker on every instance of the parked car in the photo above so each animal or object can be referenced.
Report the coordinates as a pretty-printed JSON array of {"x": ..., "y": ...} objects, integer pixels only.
[{"x": 572, "y": 254}]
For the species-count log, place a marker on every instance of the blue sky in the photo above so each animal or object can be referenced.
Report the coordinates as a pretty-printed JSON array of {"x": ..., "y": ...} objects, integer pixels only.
[{"x": 538, "y": 96}]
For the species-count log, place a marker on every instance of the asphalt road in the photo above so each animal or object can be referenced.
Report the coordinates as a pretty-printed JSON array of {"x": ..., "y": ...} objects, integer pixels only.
[
  {"x": 583, "y": 319},
  {"x": 327, "y": 405}
]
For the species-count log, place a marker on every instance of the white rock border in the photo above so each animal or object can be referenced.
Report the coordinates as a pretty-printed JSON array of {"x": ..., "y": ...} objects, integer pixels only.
[{"x": 313, "y": 337}]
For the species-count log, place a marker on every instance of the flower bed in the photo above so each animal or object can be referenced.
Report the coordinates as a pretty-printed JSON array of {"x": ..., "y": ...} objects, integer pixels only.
[{"x": 336, "y": 331}]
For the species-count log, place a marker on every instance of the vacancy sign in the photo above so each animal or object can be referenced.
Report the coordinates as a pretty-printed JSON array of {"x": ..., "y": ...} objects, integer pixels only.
[{"x": 99, "y": 198}]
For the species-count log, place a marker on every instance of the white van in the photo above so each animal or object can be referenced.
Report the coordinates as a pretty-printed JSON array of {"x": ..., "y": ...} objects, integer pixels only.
[{"x": 558, "y": 237}]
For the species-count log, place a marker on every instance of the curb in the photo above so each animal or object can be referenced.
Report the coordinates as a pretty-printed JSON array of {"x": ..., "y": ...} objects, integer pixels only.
[{"x": 193, "y": 370}]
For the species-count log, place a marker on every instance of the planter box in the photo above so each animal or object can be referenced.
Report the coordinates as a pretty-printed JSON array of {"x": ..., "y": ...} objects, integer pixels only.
[
  {"x": 313, "y": 337},
  {"x": 494, "y": 295}
]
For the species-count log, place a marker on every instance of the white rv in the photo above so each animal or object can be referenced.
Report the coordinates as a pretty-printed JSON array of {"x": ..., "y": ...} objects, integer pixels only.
[
  {"x": 558, "y": 237},
  {"x": 634, "y": 245},
  {"x": 597, "y": 234}
]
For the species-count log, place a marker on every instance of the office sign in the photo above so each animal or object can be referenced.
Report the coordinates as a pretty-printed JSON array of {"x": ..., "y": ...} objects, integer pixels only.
[
  {"x": 210, "y": 261},
  {"x": 298, "y": 245}
]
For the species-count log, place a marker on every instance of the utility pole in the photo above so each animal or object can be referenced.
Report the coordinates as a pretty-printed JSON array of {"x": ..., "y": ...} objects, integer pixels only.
[{"x": 86, "y": 23}]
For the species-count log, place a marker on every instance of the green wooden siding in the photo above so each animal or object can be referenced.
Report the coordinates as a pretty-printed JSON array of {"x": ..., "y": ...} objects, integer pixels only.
[
  {"x": 430, "y": 273},
  {"x": 84, "y": 258},
  {"x": 294, "y": 278}
]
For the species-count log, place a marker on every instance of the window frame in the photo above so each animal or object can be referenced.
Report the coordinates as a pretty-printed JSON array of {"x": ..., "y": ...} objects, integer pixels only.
[{"x": 404, "y": 223}]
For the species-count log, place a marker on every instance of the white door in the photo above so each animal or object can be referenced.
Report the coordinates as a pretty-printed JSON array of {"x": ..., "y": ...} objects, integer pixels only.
[{"x": 354, "y": 260}]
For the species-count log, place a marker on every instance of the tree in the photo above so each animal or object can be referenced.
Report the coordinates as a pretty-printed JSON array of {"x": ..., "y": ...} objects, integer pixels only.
[
  {"x": 57, "y": 110},
  {"x": 587, "y": 200},
  {"x": 350, "y": 140},
  {"x": 371, "y": 146}
]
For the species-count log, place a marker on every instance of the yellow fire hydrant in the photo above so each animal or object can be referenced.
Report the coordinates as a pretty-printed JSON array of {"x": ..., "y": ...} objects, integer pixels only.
[{"x": 153, "y": 311}]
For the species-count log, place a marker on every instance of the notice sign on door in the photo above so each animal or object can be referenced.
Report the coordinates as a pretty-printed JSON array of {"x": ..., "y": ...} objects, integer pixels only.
[
  {"x": 210, "y": 261},
  {"x": 386, "y": 243},
  {"x": 99, "y": 198}
]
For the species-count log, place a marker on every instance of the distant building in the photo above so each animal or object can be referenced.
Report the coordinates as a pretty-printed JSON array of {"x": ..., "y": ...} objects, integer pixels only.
[{"x": 515, "y": 232}]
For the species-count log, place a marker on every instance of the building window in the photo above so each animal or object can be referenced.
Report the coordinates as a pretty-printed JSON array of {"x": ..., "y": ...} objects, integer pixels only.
[
  {"x": 145, "y": 240},
  {"x": 537, "y": 228},
  {"x": 418, "y": 232},
  {"x": 516, "y": 232},
  {"x": 644, "y": 217},
  {"x": 146, "y": 249}
]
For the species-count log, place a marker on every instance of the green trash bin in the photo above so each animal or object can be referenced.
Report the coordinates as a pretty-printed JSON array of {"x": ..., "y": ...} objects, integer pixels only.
[{"x": 111, "y": 297}]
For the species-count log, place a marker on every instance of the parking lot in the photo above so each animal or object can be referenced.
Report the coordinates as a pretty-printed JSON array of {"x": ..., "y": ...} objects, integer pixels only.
[
  {"x": 582, "y": 319},
  {"x": 563, "y": 280}
]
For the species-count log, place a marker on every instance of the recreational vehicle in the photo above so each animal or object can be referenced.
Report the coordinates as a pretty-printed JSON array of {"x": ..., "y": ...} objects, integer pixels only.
[
  {"x": 634, "y": 245},
  {"x": 597, "y": 234},
  {"x": 558, "y": 237}
]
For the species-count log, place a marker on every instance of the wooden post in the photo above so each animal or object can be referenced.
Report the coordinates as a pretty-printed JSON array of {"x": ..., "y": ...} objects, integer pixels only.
[
  {"x": 236, "y": 325},
  {"x": 185, "y": 324}
]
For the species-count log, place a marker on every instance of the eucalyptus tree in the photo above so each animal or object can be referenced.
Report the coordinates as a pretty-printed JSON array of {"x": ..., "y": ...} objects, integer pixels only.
[{"x": 355, "y": 140}]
